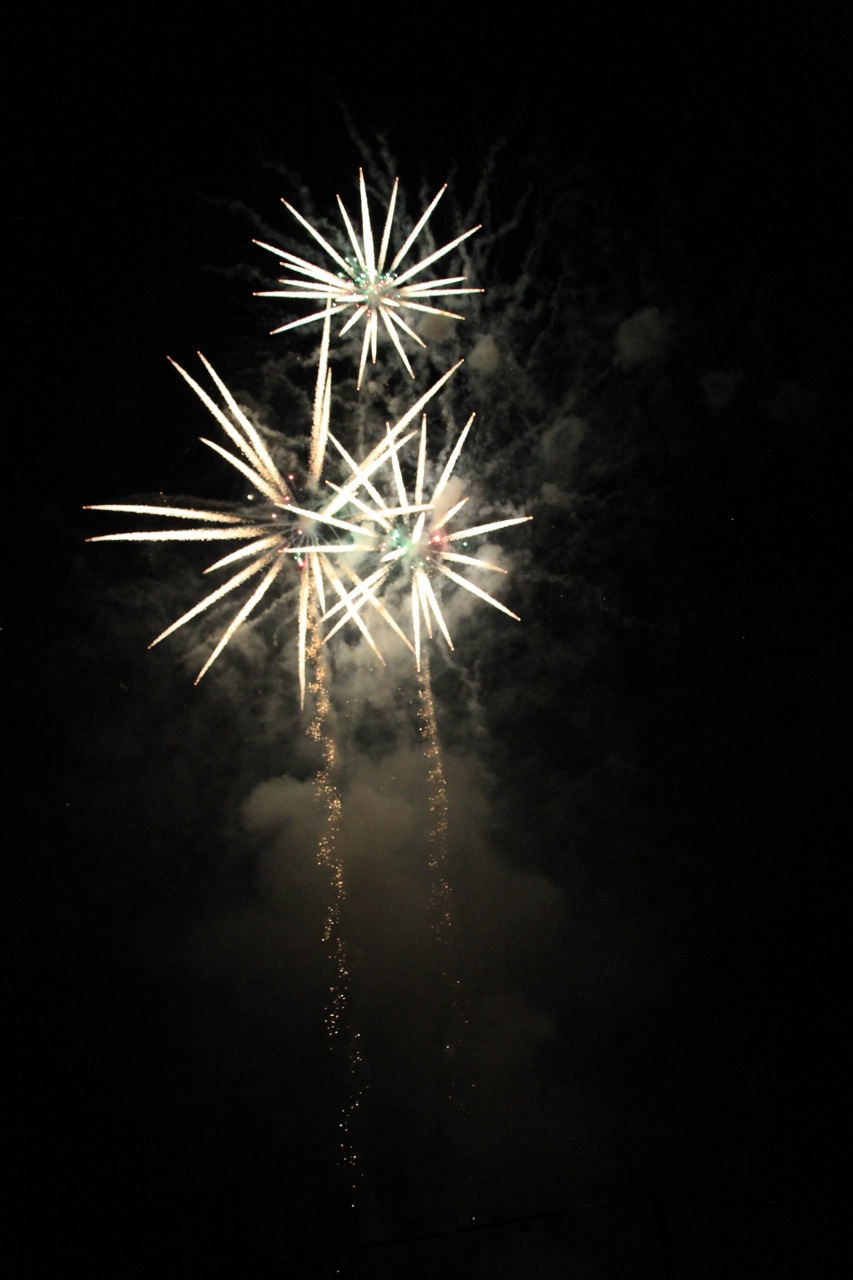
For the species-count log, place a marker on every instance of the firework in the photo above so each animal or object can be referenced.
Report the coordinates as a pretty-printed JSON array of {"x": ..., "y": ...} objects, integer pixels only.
[
  {"x": 364, "y": 284},
  {"x": 276, "y": 531},
  {"x": 420, "y": 539}
]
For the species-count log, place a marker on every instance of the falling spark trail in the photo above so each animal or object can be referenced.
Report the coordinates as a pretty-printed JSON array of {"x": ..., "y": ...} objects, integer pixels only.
[
  {"x": 325, "y": 790},
  {"x": 437, "y": 859},
  {"x": 440, "y": 902}
]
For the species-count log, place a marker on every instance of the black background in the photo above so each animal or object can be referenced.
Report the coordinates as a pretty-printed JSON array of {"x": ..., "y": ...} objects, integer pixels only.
[{"x": 689, "y": 813}]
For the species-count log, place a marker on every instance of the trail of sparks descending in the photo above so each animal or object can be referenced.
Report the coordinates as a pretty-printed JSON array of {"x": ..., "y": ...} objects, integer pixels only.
[
  {"x": 326, "y": 793},
  {"x": 363, "y": 283},
  {"x": 419, "y": 540},
  {"x": 277, "y": 531},
  {"x": 440, "y": 891},
  {"x": 440, "y": 902}
]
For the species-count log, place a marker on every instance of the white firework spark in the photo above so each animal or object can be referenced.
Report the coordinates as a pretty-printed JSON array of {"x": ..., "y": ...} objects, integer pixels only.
[
  {"x": 277, "y": 531},
  {"x": 420, "y": 540},
  {"x": 364, "y": 283}
]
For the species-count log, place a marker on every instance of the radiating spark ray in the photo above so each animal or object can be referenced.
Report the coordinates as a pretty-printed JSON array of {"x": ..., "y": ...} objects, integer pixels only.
[
  {"x": 452, "y": 460},
  {"x": 295, "y": 324},
  {"x": 418, "y": 227},
  {"x": 410, "y": 509},
  {"x": 428, "y": 285},
  {"x": 312, "y": 271},
  {"x": 395, "y": 467},
  {"x": 472, "y": 560},
  {"x": 364, "y": 347},
  {"x": 386, "y": 232},
  {"x": 392, "y": 334},
  {"x": 230, "y": 585},
  {"x": 434, "y": 257},
  {"x": 297, "y": 290},
  {"x": 183, "y": 535},
  {"x": 321, "y": 517},
  {"x": 242, "y": 614},
  {"x": 487, "y": 528},
  {"x": 419, "y": 480},
  {"x": 434, "y": 605},
  {"x": 434, "y": 311},
  {"x": 333, "y": 548},
  {"x": 362, "y": 593},
  {"x": 356, "y": 616},
  {"x": 354, "y": 318},
  {"x": 445, "y": 519},
  {"x": 322, "y": 404},
  {"x": 254, "y": 437},
  {"x": 389, "y": 315},
  {"x": 178, "y": 513},
  {"x": 317, "y": 568},
  {"x": 361, "y": 476},
  {"x": 351, "y": 233},
  {"x": 477, "y": 591},
  {"x": 376, "y": 455},
  {"x": 253, "y": 477},
  {"x": 374, "y": 328},
  {"x": 416, "y": 621},
  {"x": 353, "y": 597},
  {"x": 367, "y": 230},
  {"x": 417, "y": 532},
  {"x": 410, "y": 291},
  {"x": 262, "y": 544},
  {"x": 421, "y": 579},
  {"x": 274, "y": 482},
  {"x": 379, "y": 516},
  {"x": 324, "y": 244},
  {"x": 300, "y": 265}
]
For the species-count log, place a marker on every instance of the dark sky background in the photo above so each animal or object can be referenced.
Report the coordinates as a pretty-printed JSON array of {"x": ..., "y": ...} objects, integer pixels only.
[{"x": 644, "y": 775}]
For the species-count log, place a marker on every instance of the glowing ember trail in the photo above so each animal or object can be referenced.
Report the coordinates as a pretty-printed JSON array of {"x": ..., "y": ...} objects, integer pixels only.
[
  {"x": 440, "y": 892},
  {"x": 440, "y": 902},
  {"x": 326, "y": 794},
  {"x": 328, "y": 798},
  {"x": 363, "y": 284}
]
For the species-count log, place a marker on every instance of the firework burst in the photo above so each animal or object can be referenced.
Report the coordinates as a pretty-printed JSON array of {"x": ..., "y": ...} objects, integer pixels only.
[
  {"x": 365, "y": 282},
  {"x": 276, "y": 531},
  {"x": 418, "y": 537}
]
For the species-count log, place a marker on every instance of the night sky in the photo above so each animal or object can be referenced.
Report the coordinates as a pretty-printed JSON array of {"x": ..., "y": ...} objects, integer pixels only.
[{"x": 644, "y": 775}]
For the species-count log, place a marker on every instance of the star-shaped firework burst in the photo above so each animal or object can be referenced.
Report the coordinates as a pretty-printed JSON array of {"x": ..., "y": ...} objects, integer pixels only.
[
  {"x": 276, "y": 531},
  {"x": 418, "y": 538},
  {"x": 364, "y": 284}
]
